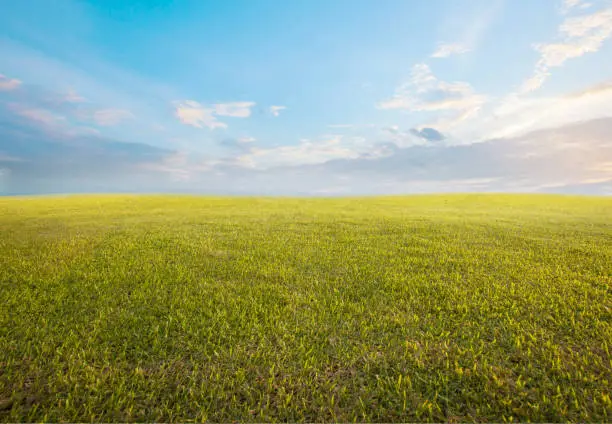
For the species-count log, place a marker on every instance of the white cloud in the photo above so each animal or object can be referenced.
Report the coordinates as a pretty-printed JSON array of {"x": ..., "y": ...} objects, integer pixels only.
[
  {"x": 307, "y": 152},
  {"x": 466, "y": 117},
  {"x": 516, "y": 115},
  {"x": 577, "y": 36},
  {"x": 110, "y": 117},
  {"x": 192, "y": 113},
  {"x": 449, "y": 49},
  {"x": 569, "y": 5},
  {"x": 235, "y": 109},
  {"x": 7, "y": 84},
  {"x": 424, "y": 92},
  {"x": 246, "y": 140},
  {"x": 179, "y": 166},
  {"x": 275, "y": 110}
]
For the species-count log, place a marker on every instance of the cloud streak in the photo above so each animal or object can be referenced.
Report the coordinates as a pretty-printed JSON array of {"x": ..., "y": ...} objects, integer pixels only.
[
  {"x": 445, "y": 50},
  {"x": 40, "y": 155},
  {"x": 276, "y": 110},
  {"x": 577, "y": 36},
  {"x": 306, "y": 152},
  {"x": 111, "y": 117},
  {"x": 190, "y": 112},
  {"x": 7, "y": 84},
  {"x": 424, "y": 92},
  {"x": 569, "y": 5}
]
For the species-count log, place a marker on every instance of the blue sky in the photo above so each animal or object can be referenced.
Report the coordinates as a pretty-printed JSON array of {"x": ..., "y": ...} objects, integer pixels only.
[{"x": 305, "y": 97}]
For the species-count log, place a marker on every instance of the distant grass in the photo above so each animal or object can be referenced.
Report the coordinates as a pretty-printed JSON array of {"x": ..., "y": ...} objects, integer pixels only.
[{"x": 425, "y": 308}]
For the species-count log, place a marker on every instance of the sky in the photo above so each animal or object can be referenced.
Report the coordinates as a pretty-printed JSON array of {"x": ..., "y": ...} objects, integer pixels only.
[{"x": 305, "y": 97}]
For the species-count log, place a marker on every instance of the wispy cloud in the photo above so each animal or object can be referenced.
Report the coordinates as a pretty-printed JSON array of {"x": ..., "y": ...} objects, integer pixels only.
[
  {"x": 425, "y": 92},
  {"x": 49, "y": 122},
  {"x": 8, "y": 83},
  {"x": 234, "y": 109},
  {"x": 240, "y": 143},
  {"x": 44, "y": 152},
  {"x": 275, "y": 110},
  {"x": 515, "y": 115},
  {"x": 60, "y": 111},
  {"x": 594, "y": 90},
  {"x": 577, "y": 36},
  {"x": 40, "y": 116},
  {"x": 467, "y": 26},
  {"x": 192, "y": 113},
  {"x": 73, "y": 97},
  {"x": 307, "y": 152},
  {"x": 569, "y": 5},
  {"x": 110, "y": 117},
  {"x": 448, "y": 49},
  {"x": 179, "y": 166}
]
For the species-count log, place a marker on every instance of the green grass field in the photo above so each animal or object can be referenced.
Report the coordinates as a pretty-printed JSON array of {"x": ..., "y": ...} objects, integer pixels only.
[{"x": 423, "y": 308}]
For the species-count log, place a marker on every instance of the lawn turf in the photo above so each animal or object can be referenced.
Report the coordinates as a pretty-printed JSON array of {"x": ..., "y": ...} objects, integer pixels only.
[{"x": 418, "y": 308}]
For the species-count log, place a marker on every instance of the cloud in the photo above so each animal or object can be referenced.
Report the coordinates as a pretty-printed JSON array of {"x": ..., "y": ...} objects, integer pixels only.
[
  {"x": 240, "y": 143},
  {"x": 466, "y": 23},
  {"x": 424, "y": 92},
  {"x": 448, "y": 49},
  {"x": 577, "y": 36},
  {"x": 353, "y": 127},
  {"x": 68, "y": 76},
  {"x": 180, "y": 166},
  {"x": 307, "y": 152},
  {"x": 547, "y": 160},
  {"x": 7, "y": 84},
  {"x": 400, "y": 138},
  {"x": 41, "y": 116},
  {"x": 36, "y": 97},
  {"x": 576, "y": 157},
  {"x": 594, "y": 90},
  {"x": 575, "y": 154},
  {"x": 110, "y": 117},
  {"x": 73, "y": 97},
  {"x": 569, "y": 5},
  {"x": 275, "y": 110},
  {"x": 515, "y": 115},
  {"x": 429, "y": 134},
  {"x": 193, "y": 113},
  {"x": 50, "y": 122},
  {"x": 235, "y": 109},
  {"x": 42, "y": 155},
  {"x": 61, "y": 112}
]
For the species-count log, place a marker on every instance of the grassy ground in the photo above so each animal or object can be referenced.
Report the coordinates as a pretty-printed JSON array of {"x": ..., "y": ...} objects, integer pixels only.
[{"x": 424, "y": 308}]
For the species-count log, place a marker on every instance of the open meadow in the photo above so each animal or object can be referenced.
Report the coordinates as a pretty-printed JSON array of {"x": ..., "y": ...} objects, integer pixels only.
[{"x": 418, "y": 308}]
